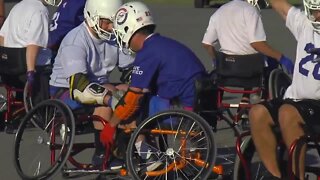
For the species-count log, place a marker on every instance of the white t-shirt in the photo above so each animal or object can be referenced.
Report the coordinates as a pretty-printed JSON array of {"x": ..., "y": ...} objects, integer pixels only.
[
  {"x": 80, "y": 52},
  {"x": 235, "y": 25},
  {"x": 26, "y": 24},
  {"x": 305, "y": 83}
]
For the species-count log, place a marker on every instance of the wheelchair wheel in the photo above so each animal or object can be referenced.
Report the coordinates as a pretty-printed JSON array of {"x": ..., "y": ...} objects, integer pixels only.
[
  {"x": 225, "y": 132},
  {"x": 255, "y": 166},
  {"x": 279, "y": 81},
  {"x": 256, "y": 169},
  {"x": 28, "y": 102},
  {"x": 51, "y": 140},
  {"x": 173, "y": 144}
]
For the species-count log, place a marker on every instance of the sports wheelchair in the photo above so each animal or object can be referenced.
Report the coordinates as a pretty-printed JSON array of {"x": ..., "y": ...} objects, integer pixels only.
[
  {"x": 218, "y": 102},
  {"x": 18, "y": 99},
  {"x": 180, "y": 141}
]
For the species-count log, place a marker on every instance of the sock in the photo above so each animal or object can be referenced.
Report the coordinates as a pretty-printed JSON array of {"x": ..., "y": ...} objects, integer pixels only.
[{"x": 100, "y": 149}]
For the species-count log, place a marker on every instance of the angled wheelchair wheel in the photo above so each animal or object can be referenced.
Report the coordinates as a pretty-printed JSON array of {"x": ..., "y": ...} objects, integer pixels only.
[
  {"x": 28, "y": 102},
  {"x": 173, "y": 144},
  {"x": 253, "y": 162},
  {"x": 279, "y": 81},
  {"x": 255, "y": 168},
  {"x": 40, "y": 152}
]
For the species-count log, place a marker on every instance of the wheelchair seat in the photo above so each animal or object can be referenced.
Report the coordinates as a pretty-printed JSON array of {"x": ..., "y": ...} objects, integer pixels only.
[
  {"x": 245, "y": 71},
  {"x": 12, "y": 66}
]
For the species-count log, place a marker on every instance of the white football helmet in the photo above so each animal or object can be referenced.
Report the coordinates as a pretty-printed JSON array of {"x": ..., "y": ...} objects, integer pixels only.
[
  {"x": 53, "y": 2},
  {"x": 96, "y": 9},
  {"x": 130, "y": 17},
  {"x": 309, "y": 6},
  {"x": 259, "y": 3}
]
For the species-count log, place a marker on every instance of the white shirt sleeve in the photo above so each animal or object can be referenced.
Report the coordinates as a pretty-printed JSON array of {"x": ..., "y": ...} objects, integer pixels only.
[
  {"x": 37, "y": 31},
  {"x": 255, "y": 28},
  {"x": 210, "y": 37},
  {"x": 295, "y": 21}
]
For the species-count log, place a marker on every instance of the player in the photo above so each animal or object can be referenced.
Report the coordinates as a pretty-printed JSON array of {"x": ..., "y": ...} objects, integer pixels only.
[
  {"x": 237, "y": 27},
  {"x": 299, "y": 111},
  {"x": 162, "y": 67},
  {"x": 85, "y": 59}
]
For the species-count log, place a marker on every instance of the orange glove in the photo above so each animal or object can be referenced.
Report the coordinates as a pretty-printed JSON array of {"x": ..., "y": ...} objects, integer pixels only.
[{"x": 107, "y": 134}]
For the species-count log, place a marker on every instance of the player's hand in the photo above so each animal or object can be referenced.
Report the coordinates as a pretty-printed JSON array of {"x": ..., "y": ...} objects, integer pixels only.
[
  {"x": 30, "y": 80},
  {"x": 115, "y": 98},
  {"x": 107, "y": 135},
  {"x": 287, "y": 63},
  {"x": 126, "y": 75}
]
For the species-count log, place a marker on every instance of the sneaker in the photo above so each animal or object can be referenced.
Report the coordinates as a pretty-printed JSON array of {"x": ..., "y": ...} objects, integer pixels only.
[
  {"x": 153, "y": 163},
  {"x": 268, "y": 176},
  {"x": 116, "y": 164},
  {"x": 148, "y": 154}
]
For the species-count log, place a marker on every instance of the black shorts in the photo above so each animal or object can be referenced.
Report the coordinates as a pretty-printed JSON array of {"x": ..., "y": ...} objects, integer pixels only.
[{"x": 309, "y": 110}]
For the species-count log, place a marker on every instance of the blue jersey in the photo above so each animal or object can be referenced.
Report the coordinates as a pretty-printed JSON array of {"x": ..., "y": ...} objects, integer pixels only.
[
  {"x": 68, "y": 16},
  {"x": 167, "y": 68}
]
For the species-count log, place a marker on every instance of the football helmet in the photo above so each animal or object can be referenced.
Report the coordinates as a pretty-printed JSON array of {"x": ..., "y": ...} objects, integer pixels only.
[
  {"x": 53, "y": 2},
  {"x": 95, "y": 10},
  {"x": 309, "y": 6},
  {"x": 130, "y": 17},
  {"x": 259, "y": 4}
]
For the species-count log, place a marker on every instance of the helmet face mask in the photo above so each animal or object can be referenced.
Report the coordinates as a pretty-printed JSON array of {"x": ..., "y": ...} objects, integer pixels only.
[
  {"x": 130, "y": 17},
  {"x": 310, "y": 6},
  {"x": 97, "y": 12},
  {"x": 259, "y": 4},
  {"x": 53, "y": 2}
]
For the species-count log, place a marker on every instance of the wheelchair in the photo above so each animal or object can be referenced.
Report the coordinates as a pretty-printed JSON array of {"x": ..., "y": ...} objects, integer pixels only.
[
  {"x": 247, "y": 164},
  {"x": 17, "y": 98},
  {"x": 181, "y": 142},
  {"x": 217, "y": 103}
]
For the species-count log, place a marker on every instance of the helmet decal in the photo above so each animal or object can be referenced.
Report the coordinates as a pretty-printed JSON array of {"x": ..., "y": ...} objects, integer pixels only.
[{"x": 121, "y": 16}]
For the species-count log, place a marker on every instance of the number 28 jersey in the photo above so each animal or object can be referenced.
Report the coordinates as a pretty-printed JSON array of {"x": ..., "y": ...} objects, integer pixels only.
[{"x": 306, "y": 77}]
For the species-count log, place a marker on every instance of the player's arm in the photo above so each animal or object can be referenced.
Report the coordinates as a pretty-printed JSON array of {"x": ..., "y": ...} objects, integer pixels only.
[
  {"x": 210, "y": 49},
  {"x": 127, "y": 105},
  {"x": 264, "y": 48},
  {"x": 31, "y": 56},
  {"x": 86, "y": 92},
  {"x": 281, "y": 7}
]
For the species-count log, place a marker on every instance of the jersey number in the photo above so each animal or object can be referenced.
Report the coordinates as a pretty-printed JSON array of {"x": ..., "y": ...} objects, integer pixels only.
[
  {"x": 304, "y": 71},
  {"x": 54, "y": 24}
]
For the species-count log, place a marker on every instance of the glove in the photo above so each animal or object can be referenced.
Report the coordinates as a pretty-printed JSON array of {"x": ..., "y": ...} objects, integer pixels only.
[
  {"x": 126, "y": 75},
  {"x": 115, "y": 98},
  {"x": 287, "y": 63},
  {"x": 107, "y": 135},
  {"x": 30, "y": 80}
]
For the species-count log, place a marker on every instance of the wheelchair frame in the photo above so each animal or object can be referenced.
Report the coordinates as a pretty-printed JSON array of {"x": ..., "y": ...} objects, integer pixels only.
[{"x": 200, "y": 159}]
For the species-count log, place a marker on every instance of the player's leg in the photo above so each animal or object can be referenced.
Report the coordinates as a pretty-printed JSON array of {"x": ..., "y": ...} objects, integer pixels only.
[{"x": 261, "y": 122}]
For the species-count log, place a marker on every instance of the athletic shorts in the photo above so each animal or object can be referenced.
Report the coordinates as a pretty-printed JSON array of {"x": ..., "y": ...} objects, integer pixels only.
[
  {"x": 309, "y": 110},
  {"x": 64, "y": 95}
]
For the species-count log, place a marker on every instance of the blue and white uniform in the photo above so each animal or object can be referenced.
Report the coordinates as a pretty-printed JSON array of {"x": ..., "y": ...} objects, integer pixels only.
[
  {"x": 305, "y": 82},
  {"x": 167, "y": 68},
  {"x": 68, "y": 16}
]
